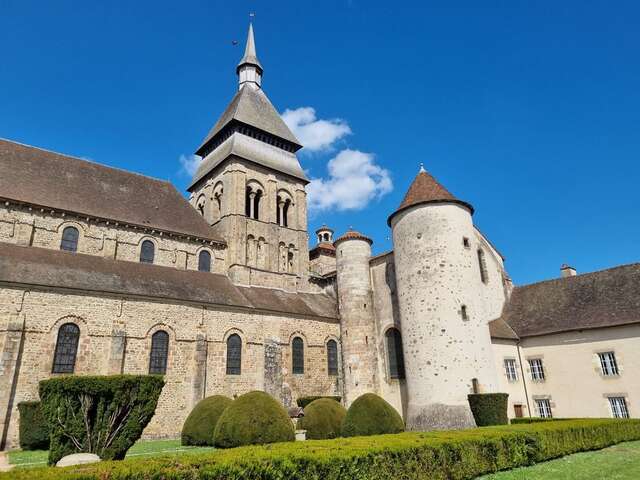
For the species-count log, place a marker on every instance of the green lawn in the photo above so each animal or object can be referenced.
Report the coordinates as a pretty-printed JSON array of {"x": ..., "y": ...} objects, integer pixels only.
[
  {"x": 620, "y": 462},
  {"x": 38, "y": 458}
]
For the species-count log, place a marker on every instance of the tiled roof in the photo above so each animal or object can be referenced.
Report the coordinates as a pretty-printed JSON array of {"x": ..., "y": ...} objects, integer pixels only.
[
  {"x": 593, "y": 300},
  {"x": 353, "y": 235},
  {"x": 426, "y": 189},
  {"x": 60, "y": 182},
  {"x": 39, "y": 267}
]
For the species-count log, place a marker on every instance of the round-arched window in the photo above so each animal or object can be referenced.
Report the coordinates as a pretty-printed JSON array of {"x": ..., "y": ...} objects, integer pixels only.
[{"x": 69, "y": 241}]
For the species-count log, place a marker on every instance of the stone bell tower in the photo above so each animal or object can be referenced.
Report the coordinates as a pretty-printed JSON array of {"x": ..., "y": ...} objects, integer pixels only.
[{"x": 251, "y": 188}]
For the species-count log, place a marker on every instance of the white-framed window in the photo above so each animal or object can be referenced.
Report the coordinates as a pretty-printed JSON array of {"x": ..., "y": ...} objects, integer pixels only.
[
  {"x": 619, "y": 407},
  {"x": 510, "y": 369},
  {"x": 608, "y": 364},
  {"x": 544, "y": 407},
  {"x": 537, "y": 370}
]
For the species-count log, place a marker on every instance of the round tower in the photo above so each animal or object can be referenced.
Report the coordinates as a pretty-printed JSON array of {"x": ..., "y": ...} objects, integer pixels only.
[
  {"x": 445, "y": 335},
  {"x": 357, "y": 324}
]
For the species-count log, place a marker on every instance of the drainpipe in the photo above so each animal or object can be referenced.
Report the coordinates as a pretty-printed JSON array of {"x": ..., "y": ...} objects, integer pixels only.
[{"x": 524, "y": 379}]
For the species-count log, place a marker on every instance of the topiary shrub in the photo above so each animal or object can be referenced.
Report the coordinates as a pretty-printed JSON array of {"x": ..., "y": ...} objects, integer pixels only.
[
  {"x": 34, "y": 432},
  {"x": 302, "y": 402},
  {"x": 370, "y": 414},
  {"x": 253, "y": 418},
  {"x": 489, "y": 408},
  {"x": 200, "y": 425},
  {"x": 322, "y": 419},
  {"x": 102, "y": 415}
]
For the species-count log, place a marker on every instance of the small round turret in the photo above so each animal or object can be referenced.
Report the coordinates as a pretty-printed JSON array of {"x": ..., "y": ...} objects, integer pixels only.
[
  {"x": 357, "y": 323},
  {"x": 446, "y": 340}
]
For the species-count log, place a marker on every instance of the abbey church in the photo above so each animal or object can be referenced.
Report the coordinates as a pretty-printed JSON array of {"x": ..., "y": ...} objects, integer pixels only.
[{"x": 105, "y": 271}]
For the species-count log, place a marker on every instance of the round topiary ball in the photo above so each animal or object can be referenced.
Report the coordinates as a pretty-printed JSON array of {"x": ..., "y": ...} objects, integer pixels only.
[
  {"x": 369, "y": 414},
  {"x": 253, "y": 418},
  {"x": 201, "y": 423},
  {"x": 322, "y": 419}
]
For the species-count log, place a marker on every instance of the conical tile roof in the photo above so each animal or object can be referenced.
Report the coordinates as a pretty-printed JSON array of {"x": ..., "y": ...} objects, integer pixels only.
[{"x": 426, "y": 189}]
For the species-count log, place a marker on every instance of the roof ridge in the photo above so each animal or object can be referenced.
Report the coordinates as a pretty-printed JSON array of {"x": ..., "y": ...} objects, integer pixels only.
[
  {"x": 579, "y": 275},
  {"x": 92, "y": 162}
]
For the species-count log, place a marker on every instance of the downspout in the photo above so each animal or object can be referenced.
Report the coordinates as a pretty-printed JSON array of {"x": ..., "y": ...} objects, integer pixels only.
[{"x": 524, "y": 379}]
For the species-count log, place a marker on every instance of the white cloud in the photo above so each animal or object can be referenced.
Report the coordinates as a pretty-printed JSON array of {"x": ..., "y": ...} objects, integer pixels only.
[
  {"x": 314, "y": 134},
  {"x": 354, "y": 180},
  {"x": 190, "y": 164}
]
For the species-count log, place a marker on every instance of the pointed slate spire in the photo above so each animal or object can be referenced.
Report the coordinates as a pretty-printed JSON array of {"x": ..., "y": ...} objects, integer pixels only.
[
  {"x": 250, "y": 55},
  {"x": 249, "y": 69}
]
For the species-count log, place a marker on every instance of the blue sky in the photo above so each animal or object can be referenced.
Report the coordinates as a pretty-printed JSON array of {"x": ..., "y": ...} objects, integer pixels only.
[{"x": 528, "y": 110}]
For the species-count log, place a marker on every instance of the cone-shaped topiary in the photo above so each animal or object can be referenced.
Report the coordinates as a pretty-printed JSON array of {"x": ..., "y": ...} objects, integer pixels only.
[
  {"x": 322, "y": 419},
  {"x": 369, "y": 414},
  {"x": 253, "y": 418},
  {"x": 200, "y": 425}
]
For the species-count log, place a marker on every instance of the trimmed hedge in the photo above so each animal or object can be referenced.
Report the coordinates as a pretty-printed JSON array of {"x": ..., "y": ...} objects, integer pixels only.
[
  {"x": 455, "y": 455},
  {"x": 34, "y": 432},
  {"x": 527, "y": 420},
  {"x": 200, "y": 425},
  {"x": 253, "y": 418},
  {"x": 302, "y": 402},
  {"x": 322, "y": 419},
  {"x": 104, "y": 415},
  {"x": 489, "y": 408},
  {"x": 370, "y": 414}
]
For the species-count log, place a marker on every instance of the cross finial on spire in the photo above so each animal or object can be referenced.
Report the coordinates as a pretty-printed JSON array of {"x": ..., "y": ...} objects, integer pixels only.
[{"x": 422, "y": 170}]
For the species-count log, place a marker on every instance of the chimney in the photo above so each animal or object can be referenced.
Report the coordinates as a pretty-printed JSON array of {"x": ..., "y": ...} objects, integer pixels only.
[{"x": 567, "y": 271}]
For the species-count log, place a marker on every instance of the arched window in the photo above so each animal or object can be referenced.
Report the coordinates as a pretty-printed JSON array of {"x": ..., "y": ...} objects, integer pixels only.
[
  {"x": 70, "y": 239},
  {"x": 204, "y": 261},
  {"x": 147, "y": 251},
  {"x": 282, "y": 210},
  {"x": 394, "y": 350},
  {"x": 253, "y": 196},
  {"x": 297, "y": 353},
  {"x": 482, "y": 265},
  {"x": 159, "y": 352},
  {"x": 332, "y": 357},
  {"x": 64, "y": 358},
  {"x": 234, "y": 354}
]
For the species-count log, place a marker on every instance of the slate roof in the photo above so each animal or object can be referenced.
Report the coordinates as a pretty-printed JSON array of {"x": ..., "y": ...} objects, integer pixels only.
[
  {"x": 250, "y": 56},
  {"x": 426, "y": 189},
  {"x": 252, "y": 107},
  {"x": 593, "y": 300},
  {"x": 41, "y": 267},
  {"x": 60, "y": 182},
  {"x": 247, "y": 148}
]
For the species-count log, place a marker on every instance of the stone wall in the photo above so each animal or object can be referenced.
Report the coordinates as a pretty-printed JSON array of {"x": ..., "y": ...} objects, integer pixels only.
[
  {"x": 115, "y": 336},
  {"x": 385, "y": 302},
  {"x": 30, "y": 226},
  {"x": 257, "y": 246}
]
